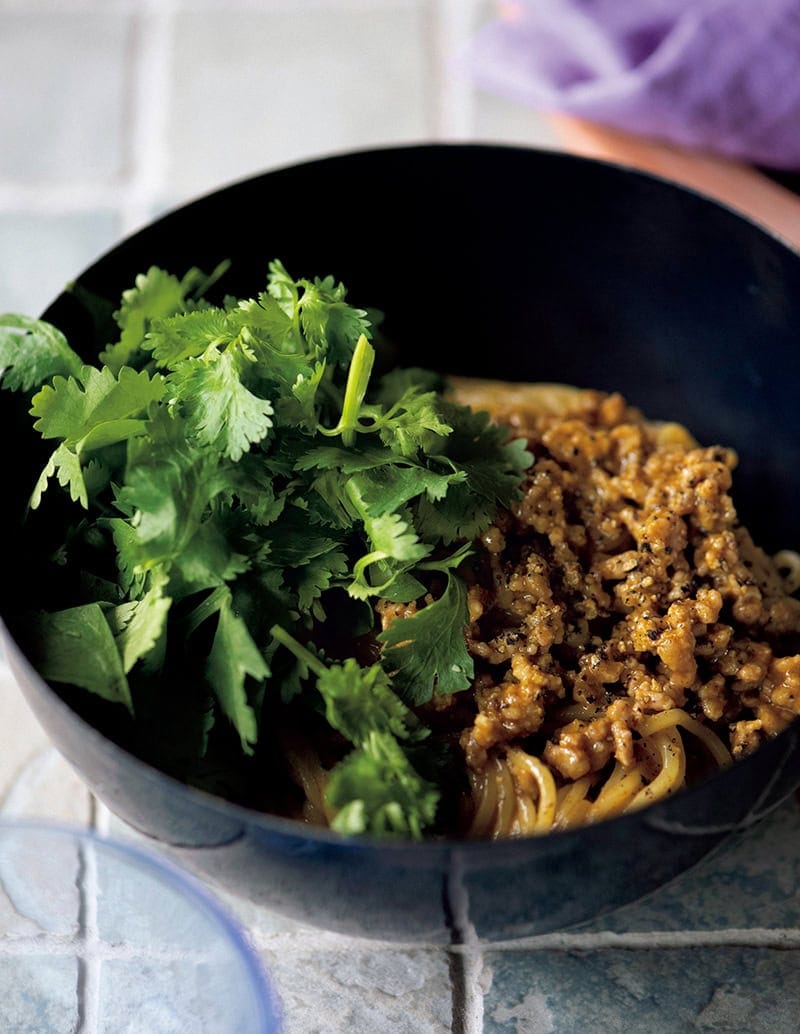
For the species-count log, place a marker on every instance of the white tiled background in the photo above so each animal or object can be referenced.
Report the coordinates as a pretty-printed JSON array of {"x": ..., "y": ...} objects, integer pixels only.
[{"x": 112, "y": 111}]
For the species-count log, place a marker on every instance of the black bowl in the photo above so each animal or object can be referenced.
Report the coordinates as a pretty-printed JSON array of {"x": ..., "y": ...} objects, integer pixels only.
[{"x": 504, "y": 262}]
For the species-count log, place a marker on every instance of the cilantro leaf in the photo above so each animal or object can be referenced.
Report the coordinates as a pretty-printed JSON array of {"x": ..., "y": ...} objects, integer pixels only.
[
  {"x": 329, "y": 324},
  {"x": 168, "y": 488},
  {"x": 378, "y": 791},
  {"x": 426, "y": 653},
  {"x": 139, "y": 625},
  {"x": 96, "y": 408},
  {"x": 492, "y": 466},
  {"x": 393, "y": 539},
  {"x": 32, "y": 351},
  {"x": 155, "y": 294},
  {"x": 414, "y": 422},
  {"x": 220, "y": 411},
  {"x": 233, "y": 657},
  {"x": 360, "y": 700},
  {"x": 76, "y": 646},
  {"x": 65, "y": 465},
  {"x": 187, "y": 335}
]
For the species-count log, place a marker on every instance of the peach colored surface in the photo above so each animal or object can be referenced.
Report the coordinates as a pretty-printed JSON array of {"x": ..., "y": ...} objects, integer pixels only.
[{"x": 733, "y": 183}]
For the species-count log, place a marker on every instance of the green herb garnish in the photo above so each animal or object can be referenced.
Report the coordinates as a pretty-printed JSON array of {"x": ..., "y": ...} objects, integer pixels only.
[{"x": 236, "y": 472}]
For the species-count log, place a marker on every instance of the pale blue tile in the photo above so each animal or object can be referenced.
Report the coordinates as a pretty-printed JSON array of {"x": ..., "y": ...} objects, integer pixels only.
[
  {"x": 747, "y": 990},
  {"x": 256, "y": 89},
  {"x": 38, "y": 995},
  {"x": 363, "y": 991},
  {"x": 174, "y": 997},
  {"x": 752, "y": 882},
  {"x": 64, "y": 77},
  {"x": 40, "y": 254},
  {"x": 498, "y": 120}
]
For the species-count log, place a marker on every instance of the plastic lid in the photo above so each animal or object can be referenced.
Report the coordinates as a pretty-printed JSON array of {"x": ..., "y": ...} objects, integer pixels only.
[{"x": 99, "y": 936}]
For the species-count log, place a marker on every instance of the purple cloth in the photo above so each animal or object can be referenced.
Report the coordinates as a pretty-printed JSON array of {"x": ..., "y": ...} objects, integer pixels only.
[{"x": 721, "y": 75}]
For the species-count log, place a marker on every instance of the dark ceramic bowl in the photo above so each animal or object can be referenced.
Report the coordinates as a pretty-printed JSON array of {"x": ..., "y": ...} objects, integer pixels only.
[{"x": 503, "y": 262}]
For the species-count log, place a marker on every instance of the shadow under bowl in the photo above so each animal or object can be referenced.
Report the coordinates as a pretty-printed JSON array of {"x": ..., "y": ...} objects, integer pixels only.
[{"x": 503, "y": 262}]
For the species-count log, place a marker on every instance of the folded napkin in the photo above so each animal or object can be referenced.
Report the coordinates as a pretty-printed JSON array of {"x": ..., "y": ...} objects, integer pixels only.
[{"x": 720, "y": 75}]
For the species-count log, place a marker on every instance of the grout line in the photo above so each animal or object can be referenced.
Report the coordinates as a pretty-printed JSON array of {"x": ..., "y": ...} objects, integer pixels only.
[
  {"x": 456, "y": 962},
  {"x": 54, "y": 946},
  {"x": 646, "y": 940},
  {"x": 100, "y": 817},
  {"x": 150, "y": 60},
  {"x": 89, "y": 964},
  {"x": 466, "y": 977},
  {"x": 638, "y": 940},
  {"x": 450, "y": 26}
]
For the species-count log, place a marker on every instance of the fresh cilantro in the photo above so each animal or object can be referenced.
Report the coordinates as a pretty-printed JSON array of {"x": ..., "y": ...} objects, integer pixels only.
[
  {"x": 77, "y": 646},
  {"x": 233, "y": 657},
  {"x": 139, "y": 624},
  {"x": 375, "y": 788},
  {"x": 32, "y": 351},
  {"x": 220, "y": 411},
  {"x": 426, "y": 652},
  {"x": 156, "y": 294},
  {"x": 377, "y": 791},
  {"x": 245, "y": 481}
]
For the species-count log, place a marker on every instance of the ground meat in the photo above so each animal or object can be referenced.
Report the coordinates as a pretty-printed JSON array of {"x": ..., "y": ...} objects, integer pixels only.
[{"x": 620, "y": 585}]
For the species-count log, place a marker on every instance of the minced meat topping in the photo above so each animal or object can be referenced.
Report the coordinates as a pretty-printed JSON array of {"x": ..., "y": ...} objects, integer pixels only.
[{"x": 619, "y": 586}]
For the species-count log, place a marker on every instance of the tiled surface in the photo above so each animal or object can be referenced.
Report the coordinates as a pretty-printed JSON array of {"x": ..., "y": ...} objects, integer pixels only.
[
  {"x": 64, "y": 80},
  {"x": 756, "y": 990},
  {"x": 40, "y": 251},
  {"x": 112, "y": 110},
  {"x": 339, "y": 96}
]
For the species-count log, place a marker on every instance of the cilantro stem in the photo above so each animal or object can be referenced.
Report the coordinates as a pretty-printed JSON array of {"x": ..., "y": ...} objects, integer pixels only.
[
  {"x": 313, "y": 663},
  {"x": 357, "y": 380},
  {"x": 209, "y": 606}
]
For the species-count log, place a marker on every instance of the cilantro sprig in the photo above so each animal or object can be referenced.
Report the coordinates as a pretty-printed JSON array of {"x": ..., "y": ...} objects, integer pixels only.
[
  {"x": 243, "y": 477},
  {"x": 375, "y": 788}
]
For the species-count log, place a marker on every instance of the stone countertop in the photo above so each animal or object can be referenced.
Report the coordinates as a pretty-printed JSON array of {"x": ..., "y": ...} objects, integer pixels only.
[{"x": 718, "y": 950}]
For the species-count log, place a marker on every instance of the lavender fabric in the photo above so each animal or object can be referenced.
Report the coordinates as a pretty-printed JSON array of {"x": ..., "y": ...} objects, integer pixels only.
[{"x": 722, "y": 75}]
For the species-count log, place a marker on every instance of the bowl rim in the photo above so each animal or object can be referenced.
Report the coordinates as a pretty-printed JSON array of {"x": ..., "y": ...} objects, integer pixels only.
[{"x": 430, "y": 145}]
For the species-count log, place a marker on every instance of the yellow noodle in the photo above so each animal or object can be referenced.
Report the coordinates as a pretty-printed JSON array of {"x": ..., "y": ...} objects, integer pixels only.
[
  {"x": 484, "y": 801},
  {"x": 526, "y": 817},
  {"x": 572, "y": 806},
  {"x": 523, "y": 764},
  {"x": 675, "y": 716},
  {"x": 669, "y": 745},
  {"x": 619, "y": 790},
  {"x": 308, "y": 773},
  {"x": 501, "y": 397},
  {"x": 506, "y": 800}
]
